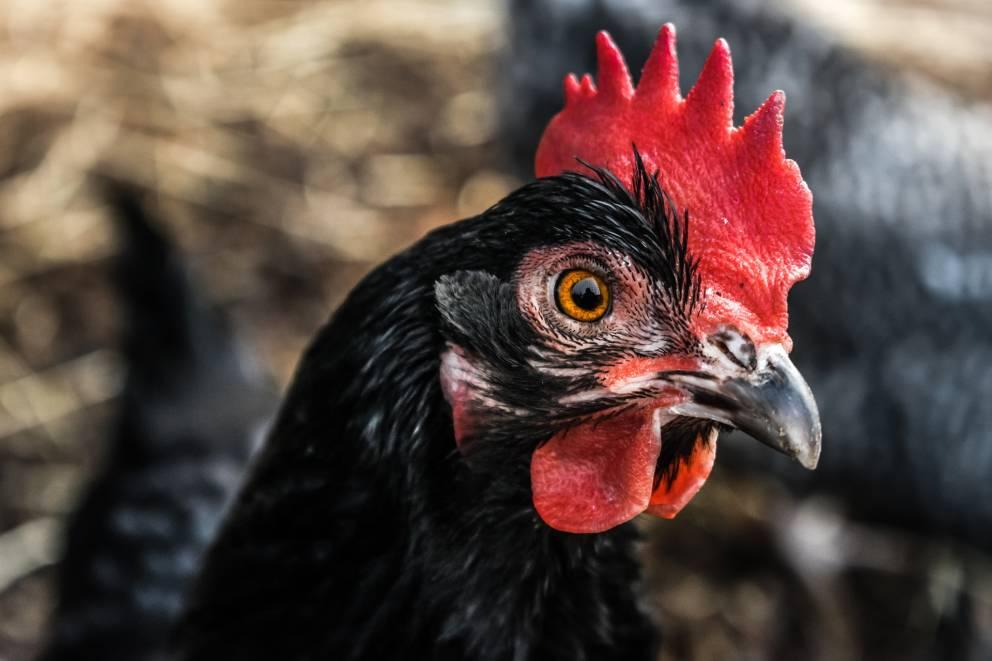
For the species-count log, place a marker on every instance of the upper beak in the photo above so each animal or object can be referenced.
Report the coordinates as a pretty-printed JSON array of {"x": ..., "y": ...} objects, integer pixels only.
[{"x": 772, "y": 403}]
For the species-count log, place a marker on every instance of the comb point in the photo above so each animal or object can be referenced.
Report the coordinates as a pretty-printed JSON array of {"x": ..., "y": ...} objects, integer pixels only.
[
  {"x": 713, "y": 94},
  {"x": 587, "y": 88},
  {"x": 763, "y": 128},
  {"x": 660, "y": 76},
  {"x": 612, "y": 75},
  {"x": 572, "y": 90}
]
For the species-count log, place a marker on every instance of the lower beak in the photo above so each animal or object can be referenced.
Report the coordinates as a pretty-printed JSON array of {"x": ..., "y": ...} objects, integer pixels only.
[{"x": 771, "y": 403}]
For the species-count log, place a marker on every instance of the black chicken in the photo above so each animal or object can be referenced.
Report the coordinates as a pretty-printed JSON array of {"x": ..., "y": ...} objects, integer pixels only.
[
  {"x": 454, "y": 469},
  {"x": 556, "y": 365}
]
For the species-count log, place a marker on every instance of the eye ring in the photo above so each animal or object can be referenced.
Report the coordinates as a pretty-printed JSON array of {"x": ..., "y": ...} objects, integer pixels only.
[{"x": 582, "y": 295}]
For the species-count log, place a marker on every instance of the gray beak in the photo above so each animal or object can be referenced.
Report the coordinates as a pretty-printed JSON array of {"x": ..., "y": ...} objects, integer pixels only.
[{"x": 771, "y": 403}]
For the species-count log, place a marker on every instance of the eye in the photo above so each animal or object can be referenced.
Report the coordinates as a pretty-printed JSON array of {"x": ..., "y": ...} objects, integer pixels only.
[{"x": 582, "y": 295}]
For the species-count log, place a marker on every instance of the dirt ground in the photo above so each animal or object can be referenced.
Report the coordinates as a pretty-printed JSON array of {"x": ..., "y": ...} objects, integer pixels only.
[{"x": 293, "y": 145}]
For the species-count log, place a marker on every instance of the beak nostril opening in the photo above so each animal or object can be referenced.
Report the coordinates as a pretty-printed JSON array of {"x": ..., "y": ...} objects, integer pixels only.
[{"x": 736, "y": 346}]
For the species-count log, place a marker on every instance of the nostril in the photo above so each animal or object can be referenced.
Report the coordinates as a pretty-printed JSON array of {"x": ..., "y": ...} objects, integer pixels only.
[{"x": 736, "y": 346}]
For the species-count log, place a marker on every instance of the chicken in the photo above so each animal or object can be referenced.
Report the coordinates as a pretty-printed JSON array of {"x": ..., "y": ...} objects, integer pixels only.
[
  {"x": 896, "y": 327},
  {"x": 195, "y": 406},
  {"x": 453, "y": 471}
]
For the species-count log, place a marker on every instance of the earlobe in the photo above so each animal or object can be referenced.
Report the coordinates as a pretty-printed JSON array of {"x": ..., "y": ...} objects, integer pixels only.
[
  {"x": 459, "y": 383},
  {"x": 465, "y": 300}
]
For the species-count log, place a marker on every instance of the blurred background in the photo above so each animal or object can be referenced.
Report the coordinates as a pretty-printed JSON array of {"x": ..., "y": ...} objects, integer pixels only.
[{"x": 291, "y": 146}]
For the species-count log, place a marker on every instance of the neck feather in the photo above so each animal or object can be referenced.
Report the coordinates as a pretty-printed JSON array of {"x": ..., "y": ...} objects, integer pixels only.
[{"x": 367, "y": 535}]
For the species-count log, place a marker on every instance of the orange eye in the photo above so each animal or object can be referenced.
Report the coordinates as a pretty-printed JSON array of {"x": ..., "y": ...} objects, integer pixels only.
[{"x": 582, "y": 295}]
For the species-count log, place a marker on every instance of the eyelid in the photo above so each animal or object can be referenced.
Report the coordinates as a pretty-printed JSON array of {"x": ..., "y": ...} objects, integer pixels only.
[{"x": 585, "y": 262}]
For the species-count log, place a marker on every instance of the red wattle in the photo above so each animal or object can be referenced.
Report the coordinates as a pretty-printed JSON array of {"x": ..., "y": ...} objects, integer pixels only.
[
  {"x": 598, "y": 475},
  {"x": 669, "y": 499}
]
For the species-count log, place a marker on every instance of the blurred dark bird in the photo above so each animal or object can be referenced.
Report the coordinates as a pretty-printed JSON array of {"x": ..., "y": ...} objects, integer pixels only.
[
  {"x": 895, "y": 329},
  {"x": 194, "y": 407}
]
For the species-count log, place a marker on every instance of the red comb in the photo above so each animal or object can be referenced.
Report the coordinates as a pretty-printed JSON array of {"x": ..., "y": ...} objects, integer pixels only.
[{"x": 751, "y": 214}]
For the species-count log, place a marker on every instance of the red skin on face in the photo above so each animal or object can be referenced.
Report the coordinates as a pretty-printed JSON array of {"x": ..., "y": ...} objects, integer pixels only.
[{"x": 631, "y": 368}]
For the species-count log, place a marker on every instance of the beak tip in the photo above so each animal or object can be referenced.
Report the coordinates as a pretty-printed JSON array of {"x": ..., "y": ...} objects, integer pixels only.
[
  {"x": 809, "y": 460},
  {"x": 808, "y": 455}
]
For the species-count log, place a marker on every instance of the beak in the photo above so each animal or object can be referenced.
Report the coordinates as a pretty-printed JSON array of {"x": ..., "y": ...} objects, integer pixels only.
[{"x": 771, "y": 403}]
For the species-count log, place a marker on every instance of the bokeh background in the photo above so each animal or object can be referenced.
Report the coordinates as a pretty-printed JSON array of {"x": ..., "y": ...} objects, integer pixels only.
[{"x": 289, "y": 147}]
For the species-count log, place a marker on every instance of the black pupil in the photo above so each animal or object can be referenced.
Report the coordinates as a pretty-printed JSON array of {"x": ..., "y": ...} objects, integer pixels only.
[{"x": 586, "y": 294}]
